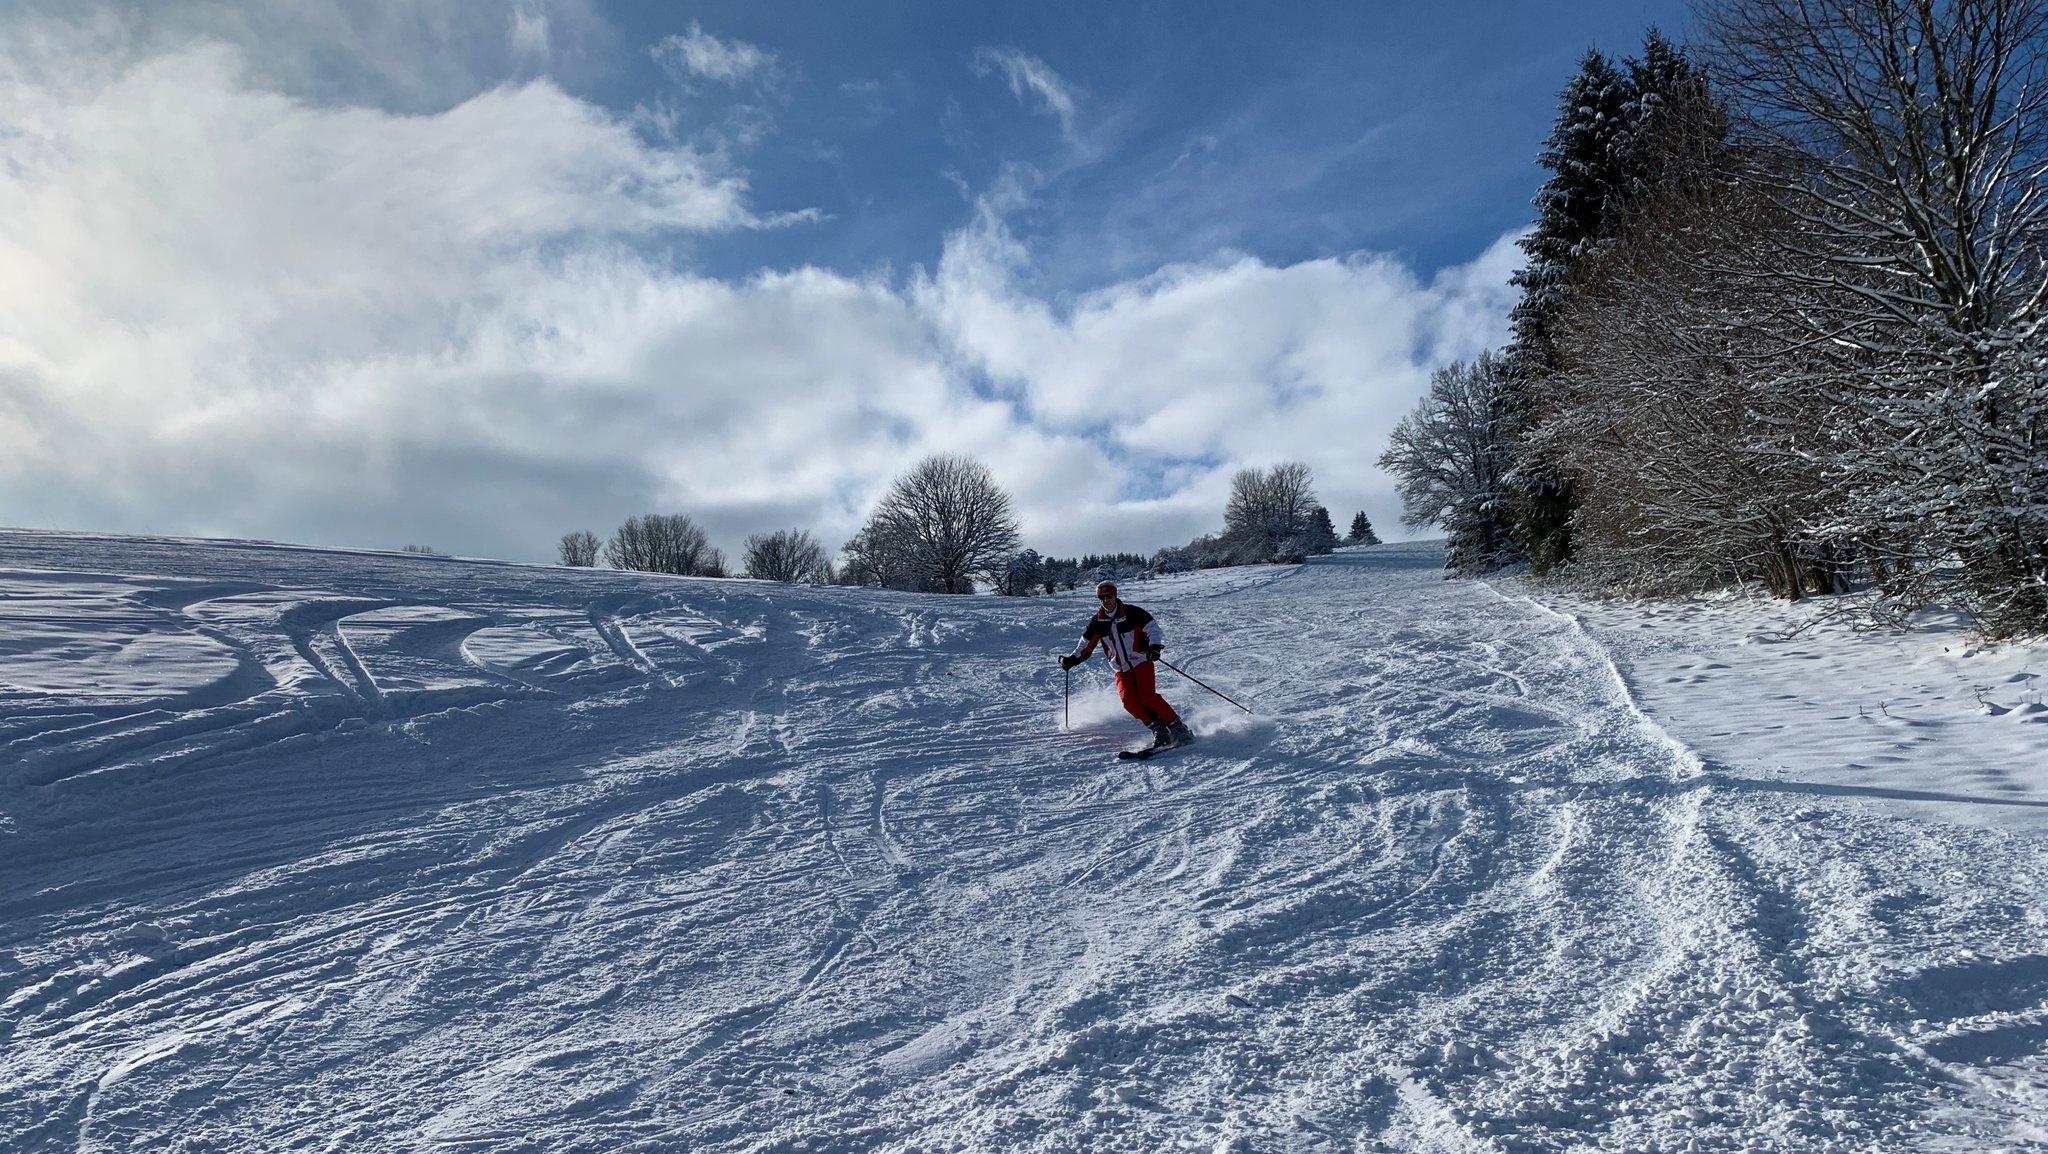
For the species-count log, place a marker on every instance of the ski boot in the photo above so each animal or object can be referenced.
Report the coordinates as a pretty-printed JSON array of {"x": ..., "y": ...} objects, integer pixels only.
[{"x": 1180, "y": 732}]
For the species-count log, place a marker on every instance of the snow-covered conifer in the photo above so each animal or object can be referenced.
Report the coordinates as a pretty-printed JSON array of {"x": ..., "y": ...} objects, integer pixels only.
[
  {"x": 1605, "y": 157},
  {"x": 1024, "y": 573}
]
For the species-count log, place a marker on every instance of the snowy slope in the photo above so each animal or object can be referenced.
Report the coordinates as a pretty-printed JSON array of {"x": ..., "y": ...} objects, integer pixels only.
[{"x": 331, "y": 851}]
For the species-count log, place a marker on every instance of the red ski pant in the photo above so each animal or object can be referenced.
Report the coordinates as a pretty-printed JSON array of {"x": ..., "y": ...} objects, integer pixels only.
[{"x": 1141, "y": 700}]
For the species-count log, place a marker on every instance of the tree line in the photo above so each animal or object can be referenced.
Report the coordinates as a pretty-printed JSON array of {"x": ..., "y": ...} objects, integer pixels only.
[
  {"x": 946, "y": 526},
  {"x": 1784, "y": 319},
  {"x": 1271, "y": 517}
]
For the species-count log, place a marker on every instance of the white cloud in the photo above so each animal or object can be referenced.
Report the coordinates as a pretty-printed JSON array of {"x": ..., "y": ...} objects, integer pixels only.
[
  {"x": 1028, "y": 74},
  {"x": 530, "y": 32},
  {"x": 1468, "y": 304},
  {"x": 227, "y": 310},
  {"x": 198, "y": 273},
  {"x": 732, "y": 126},
  {"x": 399, "y": 55},
  {"x": 1200, "y": 370},
  {"x": 699, "y": 54}
]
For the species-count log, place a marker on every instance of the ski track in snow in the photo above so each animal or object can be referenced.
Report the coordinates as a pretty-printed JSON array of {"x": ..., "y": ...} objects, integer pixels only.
[{"x": 315, "y": 850}]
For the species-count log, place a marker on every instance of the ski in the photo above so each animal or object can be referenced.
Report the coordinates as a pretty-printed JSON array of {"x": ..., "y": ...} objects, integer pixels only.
[{"x": 1141, "y": 754}]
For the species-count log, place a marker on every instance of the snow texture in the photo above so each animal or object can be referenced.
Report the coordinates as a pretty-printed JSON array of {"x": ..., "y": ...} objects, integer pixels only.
[{"x": 306, "y": 849}]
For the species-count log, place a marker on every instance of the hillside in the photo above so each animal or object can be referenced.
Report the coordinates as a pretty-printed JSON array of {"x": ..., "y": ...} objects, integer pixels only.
[{"x": 306, "y": 849}]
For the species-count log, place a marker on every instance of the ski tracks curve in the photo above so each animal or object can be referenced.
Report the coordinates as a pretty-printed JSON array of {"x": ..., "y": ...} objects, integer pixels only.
[{"x": 724, "y": 866}]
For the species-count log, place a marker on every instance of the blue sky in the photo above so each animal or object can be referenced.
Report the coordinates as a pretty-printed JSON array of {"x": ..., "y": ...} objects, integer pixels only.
[
  {"x": 474, "y": 274},
  {"x": 1289, "y": 131}
]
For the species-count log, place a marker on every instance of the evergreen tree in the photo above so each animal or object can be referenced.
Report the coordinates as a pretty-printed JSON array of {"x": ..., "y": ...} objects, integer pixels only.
[
  {"x": 1605, "y": 163},
  {"x": 1671, "y": 115},
  {"x": 1586, "y": 153},
  {"x": 1056, "y": 574},
  {"x": 1321, "y": 535},
  {"x": 1026, "y": 571},
  {"x": 1361, "y": 531}
]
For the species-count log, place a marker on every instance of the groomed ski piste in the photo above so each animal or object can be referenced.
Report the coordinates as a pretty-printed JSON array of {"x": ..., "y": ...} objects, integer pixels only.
[{"x": 316, "y": 850}]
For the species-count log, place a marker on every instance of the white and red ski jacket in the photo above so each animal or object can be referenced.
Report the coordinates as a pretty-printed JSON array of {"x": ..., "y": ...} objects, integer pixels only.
[{"x": 1123, "y": 634}]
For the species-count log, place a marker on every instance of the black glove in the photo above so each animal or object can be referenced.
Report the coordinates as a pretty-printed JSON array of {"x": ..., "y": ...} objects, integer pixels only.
[
  {"x": 1068, "y": 660},
  {"x": 1152, "y": 651}
]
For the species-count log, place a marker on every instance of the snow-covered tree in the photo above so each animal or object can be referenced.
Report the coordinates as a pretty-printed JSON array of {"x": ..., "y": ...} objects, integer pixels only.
[
  {"x": 1445, "y": 457},
  {"x": 1657, "y": 405},
  {"x": 1024, "y": 573},
  {"x": 792, "y": 556},
  {"x": 1581, "y": 201},
  {"x": 1604, "y": 155},
  {"x": 1115, "y": 566},
  {"x": 1315, "y": 539},
  {"x": 579, "y": 549},
  {"x": 1909, "y": 139},
  {"x": 1671, "y": 419},
  {"x": 1172, "y": 559}
]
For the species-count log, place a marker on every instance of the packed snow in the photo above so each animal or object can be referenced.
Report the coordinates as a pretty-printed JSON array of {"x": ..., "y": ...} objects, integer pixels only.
[{"x": 317, "y": 850}]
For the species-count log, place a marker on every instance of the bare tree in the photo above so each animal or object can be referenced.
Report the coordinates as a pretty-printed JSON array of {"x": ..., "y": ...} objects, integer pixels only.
[
  {"x": 873, "y": 557},
  {"x": 792, "y": 556},
  {"x": 664, "y": 543},
  {"x": 941, "y": 525},
  {"x": 579, "y": 550},
  {"x": 1910, "y": 140},
  {"x": 1668, "y": 407},
  {"x": 1268, "y": 510},
  {"x": 1446, "y": 457}
]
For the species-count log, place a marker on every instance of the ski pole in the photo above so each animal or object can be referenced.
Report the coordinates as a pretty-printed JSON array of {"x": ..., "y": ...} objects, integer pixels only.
[
  {"x": 1067, "y": 701},
  {"x": 1203, "y": 684}
]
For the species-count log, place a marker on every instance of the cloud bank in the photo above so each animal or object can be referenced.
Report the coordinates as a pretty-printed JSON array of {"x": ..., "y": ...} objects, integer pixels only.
[{"x": 227, "y": 309}]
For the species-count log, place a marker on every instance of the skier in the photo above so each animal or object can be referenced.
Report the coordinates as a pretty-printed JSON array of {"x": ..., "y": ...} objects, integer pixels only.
[{"x": 1132, "y": 639}]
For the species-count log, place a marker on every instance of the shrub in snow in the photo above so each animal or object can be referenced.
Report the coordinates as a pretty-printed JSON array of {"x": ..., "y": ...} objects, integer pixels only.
[
  {"x": 791, "y": 556},
  {"x": 664, "y": 543},
  {"x": 579, "y": 550}
]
